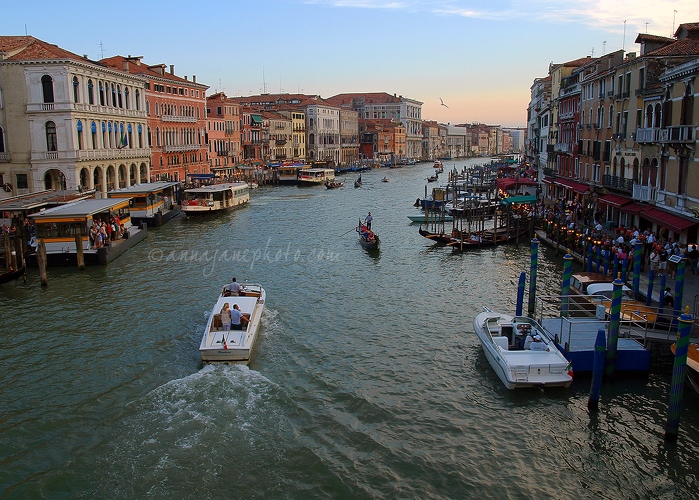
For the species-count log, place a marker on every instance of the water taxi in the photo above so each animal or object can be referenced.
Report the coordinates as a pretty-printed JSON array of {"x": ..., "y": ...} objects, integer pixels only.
[
  {"x": 153, "y": 203},
  {"x": 219, "y": 344},
  {"x": 289, "y": 173},
  {"x": 215, "y": 197},
  {"x": 315, "y": 176},
  {"x": 521, "y": 351}
]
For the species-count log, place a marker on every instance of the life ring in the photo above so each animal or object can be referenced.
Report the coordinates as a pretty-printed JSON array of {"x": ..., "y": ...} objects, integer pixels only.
[{"x": 7, "y": 187}]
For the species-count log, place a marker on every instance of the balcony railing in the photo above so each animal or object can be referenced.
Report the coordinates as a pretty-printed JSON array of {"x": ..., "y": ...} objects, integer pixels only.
[
  {"x": 180, "y": 119},
  {"x": 563, "y": 147},
  {"x": 618, "y": 183},
  {"x": 646, "y": 135},
  {"x": 644, "y": 193},
  {"x": 178, "y": 148},
  {"x": 681, "y": 133}
]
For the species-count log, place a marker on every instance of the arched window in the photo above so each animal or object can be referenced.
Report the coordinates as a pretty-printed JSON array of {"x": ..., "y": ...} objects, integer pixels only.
[
  {"x": 51, "y": 140},
  {"x": 119, "y": 101},
  {"x": 76, "y": 88},
  {"x": 138, "y": 104},
  {"x": 93, "y": 130},
  {"x": 2, "y": 140},
  {"x": 90, "y": 92},
  {"x": 80, "y": 134},
  {"x": 114, "y": 97},
  {"x": 47, "y": 88},
  {"x": 126, "y": 98},
  {"x": 101, "y": 90}
]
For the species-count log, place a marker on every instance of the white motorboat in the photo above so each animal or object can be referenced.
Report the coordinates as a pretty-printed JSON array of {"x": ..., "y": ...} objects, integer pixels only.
[
  {"x": 521, "y": 351},
  {"x": 218, "y": 344},
  {"x": 215, "y": 197}
]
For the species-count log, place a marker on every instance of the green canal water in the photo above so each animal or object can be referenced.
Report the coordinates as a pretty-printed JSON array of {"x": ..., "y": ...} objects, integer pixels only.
[{"x": 367, "y": 382}]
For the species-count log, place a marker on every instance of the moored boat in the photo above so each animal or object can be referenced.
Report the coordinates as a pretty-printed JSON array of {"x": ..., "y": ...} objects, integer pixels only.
[
  {"x": 219, "y": 344},
  {"x": 692, "y": 365},
  {"x": 215, "y": 197},
  {"x": 521, "y": 351},
  {"x": 12, "y": 274},
  {"x": 333, "y": 185},
  {"x": 424, "y": 218},
  {"x": 316, "y": 176}
]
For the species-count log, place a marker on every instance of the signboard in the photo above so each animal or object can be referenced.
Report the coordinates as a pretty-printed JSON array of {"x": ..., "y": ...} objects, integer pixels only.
[{"x": 675, "y": 258}]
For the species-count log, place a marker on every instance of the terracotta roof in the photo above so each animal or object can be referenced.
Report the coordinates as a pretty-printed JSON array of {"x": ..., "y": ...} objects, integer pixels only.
[
  {"x": 134, "y": 66},
  {"x": 684, "y": 47},
  {"x": 365, "y": 97},
  {"x": 689, "y": 28},
  {"x": 645, "y": 37},
  {"x": 28, "y": 48}
]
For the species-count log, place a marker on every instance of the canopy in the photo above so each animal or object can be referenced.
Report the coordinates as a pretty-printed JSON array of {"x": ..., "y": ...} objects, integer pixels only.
[
  {"x": 670, "y": 221},
  {"x": 506, "y": 183},
  {"x": 201, "y": 176},
  {"x": 519, "y": 199}
]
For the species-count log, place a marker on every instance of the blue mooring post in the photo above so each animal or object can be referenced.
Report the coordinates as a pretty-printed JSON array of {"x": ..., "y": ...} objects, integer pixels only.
[
  {"x": 589, "y": 257},
  {"x": 532, "y": 276},
  {"x": 615, "y": 266},
  {"x": 599, "y": 256},
  {"x": 661, "y": 295},
  {"x": 606, "y": 262},
  {"x": 624, "y": 268},
  {"x": 679, "y": 369},
  {"x": 520, "y": 293},
  {"x": 597, "y": 370},
  {"x": 637, "y": 257},
  {"x": 614, "y": 320},
  {"x": 679, "y": 285},
  {"x": 565, "y": 287},
  {"x": 651, "y": 279}
]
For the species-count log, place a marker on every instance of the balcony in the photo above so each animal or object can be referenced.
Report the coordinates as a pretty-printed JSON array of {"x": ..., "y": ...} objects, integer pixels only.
[
  {"x": 178, "y": 148},
  {"x": 647, "y": 135},
  {"x": 644, "y": 193},
  {"x": 563, "y": 147},
  {"x": 179, "y": 119},
  {"x": 679, "y": 134},
  {"x": 619, "y": 136},
  {"x": 620, "y": 183}
]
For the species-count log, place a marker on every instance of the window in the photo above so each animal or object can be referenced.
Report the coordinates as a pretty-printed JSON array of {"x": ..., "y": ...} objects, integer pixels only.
[
  {"x": 93, "y": 131},
  {"x": 51, "y": 141},
  {"x": 101, "y": 91},
  {"x": 2, "y": 140},
  {"x": 76, "y": 87},
  {"x": 22, "y": 181},
  {"x": 90, "y": 92},
  {"x": 126, "y": 98},
  {"x": 138, "y": 104},
  {"x": 119, "y": 101},
  {"x": 47, "y": 88},
  {"x": 80, "y": 134}
]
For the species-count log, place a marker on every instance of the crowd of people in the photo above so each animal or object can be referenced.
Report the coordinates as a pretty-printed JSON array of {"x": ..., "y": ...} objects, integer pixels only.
[{"x": 104, "y": 232}]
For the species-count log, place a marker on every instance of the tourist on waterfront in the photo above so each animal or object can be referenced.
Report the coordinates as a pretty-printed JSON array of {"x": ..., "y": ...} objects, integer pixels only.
[
  {"x": 693, "y": 256},
  {"x": 662, "y": 265},
  {"x": 368, "y": 220},
  {"x": 654, "y": 260},
  {"x": 226, "y": 316},
  {"x": 233, "y": 289},
  {"x": 238, "y": 319},
  {"x": 668, "y": 299}
]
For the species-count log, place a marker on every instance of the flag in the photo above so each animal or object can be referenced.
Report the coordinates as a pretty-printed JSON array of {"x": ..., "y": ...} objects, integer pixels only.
[{"x": 123, "y": 141}]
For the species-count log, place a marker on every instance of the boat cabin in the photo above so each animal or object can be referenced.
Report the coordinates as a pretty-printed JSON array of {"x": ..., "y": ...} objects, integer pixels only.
[
  {"x": 215, "y": 197},
  {"x": 316, "y": 176},
  {"x": 151, "y": 202}
]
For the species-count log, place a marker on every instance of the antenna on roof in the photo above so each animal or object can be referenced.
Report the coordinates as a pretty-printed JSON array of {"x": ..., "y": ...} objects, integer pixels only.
[
  {"x": 623, "y": 43},
  {"x": 674, "y": 13},
  {"x": 604, "y": 45},
  {"x": 592, "y": 52},
  {"x": 25, "y": 30},
  {"x": 646, "y": 27},
  {"x": 101, "y": 50}
]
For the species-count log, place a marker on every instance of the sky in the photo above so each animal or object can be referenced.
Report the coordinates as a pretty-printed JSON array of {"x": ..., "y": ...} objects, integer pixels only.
[{"x": 479, "y": 58}]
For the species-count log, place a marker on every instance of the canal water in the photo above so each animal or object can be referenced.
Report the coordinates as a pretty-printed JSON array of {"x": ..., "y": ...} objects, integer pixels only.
[{"x": 368, "y": 381}]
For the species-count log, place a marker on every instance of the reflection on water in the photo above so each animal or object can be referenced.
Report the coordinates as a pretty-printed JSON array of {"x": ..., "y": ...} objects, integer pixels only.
[{"x": 368, "y": 380}]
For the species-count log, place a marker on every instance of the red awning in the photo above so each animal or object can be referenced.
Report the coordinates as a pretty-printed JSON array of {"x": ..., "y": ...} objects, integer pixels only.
[
  {"x": 575, "y": 186},
  {"x": 634, "y": 208},
  {"x": 614, "y": 200},
  {"x": 547, "y": 180},
  {"x": 506, "y": 183},
  {"x": 670, "y": 221}
]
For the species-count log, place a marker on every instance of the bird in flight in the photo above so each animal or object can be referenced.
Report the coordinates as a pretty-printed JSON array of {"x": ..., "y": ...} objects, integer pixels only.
[{"x": 440, "y": 100}]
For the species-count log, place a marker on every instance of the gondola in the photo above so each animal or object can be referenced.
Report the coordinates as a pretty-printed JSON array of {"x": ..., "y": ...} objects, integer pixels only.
[
  {"x": 368, "y": 238},
  {"x": 358, "y": 182},
  {"x": 11, "y": 275},
  {"x": 333, "y": 185},
  {"x": 433, "y": 178}
]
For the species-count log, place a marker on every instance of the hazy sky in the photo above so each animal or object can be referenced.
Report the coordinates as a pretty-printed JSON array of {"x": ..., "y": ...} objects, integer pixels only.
[{"x": 480, "y": 57}]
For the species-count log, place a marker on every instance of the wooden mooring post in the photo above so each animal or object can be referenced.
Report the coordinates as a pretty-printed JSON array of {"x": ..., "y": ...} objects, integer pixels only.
[
  {"x": 41, "y": 261},
  {"x": 79, "y": 254}
]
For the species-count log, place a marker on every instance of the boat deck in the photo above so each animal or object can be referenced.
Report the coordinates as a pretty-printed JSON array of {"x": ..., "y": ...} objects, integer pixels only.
[{"x": 577, "y": 338}]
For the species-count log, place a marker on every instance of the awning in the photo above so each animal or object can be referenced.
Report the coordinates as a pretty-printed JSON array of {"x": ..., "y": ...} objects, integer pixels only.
[
  {"x": 634, "y": 208},
  {"x": 518, "y": 199},
  {"x": 505, "y": 183},
  {"x": 670, "y": 221},
  {"x": 575, "y": 186},
  {"x": 201, "y": 176},
  {"x": 256, "y": 118},
  {"x": 547, "y": 180},
  {"x": 614, "y": 200}
]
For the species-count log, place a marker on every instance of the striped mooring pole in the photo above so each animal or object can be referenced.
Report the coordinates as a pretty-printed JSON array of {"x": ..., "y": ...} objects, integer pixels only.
[
  {"x": 532, "y": 276},
  {"x": 637, "y": 257},
  {"x": 565, "y": 287},
  {"x": 614, "y": 320},
  {"x": 679, "y": 369},
  {"x": 520, "y": 293},
  {"x": 597, "y": 370}
]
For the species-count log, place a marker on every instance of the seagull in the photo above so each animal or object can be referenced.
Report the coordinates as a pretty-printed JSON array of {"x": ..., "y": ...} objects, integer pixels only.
[{"x": 440, "y": 100}]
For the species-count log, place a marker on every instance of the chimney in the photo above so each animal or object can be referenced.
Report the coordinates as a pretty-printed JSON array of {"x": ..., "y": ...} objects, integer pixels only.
[
  {"x": 194, "y": 78},
  {"x": 185, "y": 77},
  {"x": 84, "y": 56},
  {"x": 631, "y": 55},
  {"x": 125, "y": 65},
  {"x": 172, "y": 69}
]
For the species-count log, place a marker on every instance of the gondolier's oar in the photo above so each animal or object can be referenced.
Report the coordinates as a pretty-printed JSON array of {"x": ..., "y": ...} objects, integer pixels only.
[{"x": 353, "y": 229}]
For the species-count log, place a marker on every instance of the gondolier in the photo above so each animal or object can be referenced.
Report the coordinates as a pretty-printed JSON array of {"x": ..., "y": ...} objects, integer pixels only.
[{"x": 368, "y": 220}]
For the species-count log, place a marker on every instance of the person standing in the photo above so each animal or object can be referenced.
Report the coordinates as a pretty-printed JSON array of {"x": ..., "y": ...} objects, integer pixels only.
[
  {"x": 368, "y": 220},
  {"x": 226, "y": 316},
  {"x": 693, "y": 256},
  {"x": 233, "y": 289}
]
